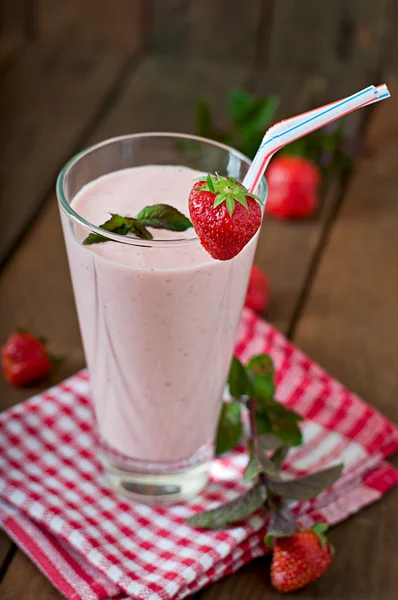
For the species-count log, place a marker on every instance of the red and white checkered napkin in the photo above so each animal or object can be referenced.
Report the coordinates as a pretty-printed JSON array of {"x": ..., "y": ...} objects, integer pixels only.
[{"x": 92, "y": 544}]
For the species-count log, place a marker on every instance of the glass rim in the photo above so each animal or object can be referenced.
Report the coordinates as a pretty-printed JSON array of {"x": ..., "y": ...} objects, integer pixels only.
[{"x": 130, "y": 240}]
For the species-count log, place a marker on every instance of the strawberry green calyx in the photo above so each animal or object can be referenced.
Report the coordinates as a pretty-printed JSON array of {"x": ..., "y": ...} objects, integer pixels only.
[
  {"x": 228, "y": 190},
  {"x": 320, "y": 529}
]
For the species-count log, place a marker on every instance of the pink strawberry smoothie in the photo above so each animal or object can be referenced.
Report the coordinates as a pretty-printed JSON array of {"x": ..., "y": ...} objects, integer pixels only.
[{"x": 158, "y": 323}]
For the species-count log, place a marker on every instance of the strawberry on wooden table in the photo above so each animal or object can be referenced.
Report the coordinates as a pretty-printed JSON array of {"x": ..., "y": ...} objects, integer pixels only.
[
  {"x": 300, "y": 559},
  {"x": 224, "y": 214},
  {"x": 24, "y": 359},
  {"x": 257, "y": 295},
  {"x": 292, "y": 187}
]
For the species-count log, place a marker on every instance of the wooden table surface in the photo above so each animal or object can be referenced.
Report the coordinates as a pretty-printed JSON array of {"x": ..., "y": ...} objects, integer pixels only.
[{"x": 334, "y": 278}]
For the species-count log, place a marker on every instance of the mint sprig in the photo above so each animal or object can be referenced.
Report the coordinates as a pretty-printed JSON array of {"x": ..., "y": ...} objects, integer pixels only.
[
  {"x": 273, "y": 430},
  {"x": 249, "y": 117},
  {"x": 157, "y": 216}
]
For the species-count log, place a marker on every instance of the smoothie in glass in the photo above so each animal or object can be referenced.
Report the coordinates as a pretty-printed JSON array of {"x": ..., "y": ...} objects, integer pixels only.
[{"x": 158, "y": 321}]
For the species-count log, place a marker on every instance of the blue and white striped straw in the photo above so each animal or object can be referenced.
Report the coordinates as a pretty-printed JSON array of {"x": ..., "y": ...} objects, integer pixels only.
[{"x": 285, "y": 132}]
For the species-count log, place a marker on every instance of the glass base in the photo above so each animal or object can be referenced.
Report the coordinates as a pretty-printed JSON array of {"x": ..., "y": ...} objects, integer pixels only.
[{"x": 157, "y": 484}]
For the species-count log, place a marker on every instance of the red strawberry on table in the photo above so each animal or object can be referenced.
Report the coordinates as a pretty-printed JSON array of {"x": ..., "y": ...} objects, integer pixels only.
[
  {"x": 257, "y": 295},
  {"x": 224, "y": 214},
  {"x": 24, "y": 359},
  {"x": 300, "y": 559},
  {"x": 292, "y": 187}
]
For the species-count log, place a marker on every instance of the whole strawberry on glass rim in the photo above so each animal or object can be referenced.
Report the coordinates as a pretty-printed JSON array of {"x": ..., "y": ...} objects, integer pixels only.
[{"x": 225, "y": 215}]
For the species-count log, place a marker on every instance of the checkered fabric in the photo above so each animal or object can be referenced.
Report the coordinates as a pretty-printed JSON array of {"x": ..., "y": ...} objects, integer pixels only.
[{"x": 92, "y": 544}]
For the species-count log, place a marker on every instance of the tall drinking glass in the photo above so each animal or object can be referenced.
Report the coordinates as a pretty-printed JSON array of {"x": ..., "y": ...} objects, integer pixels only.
[{"x": 158, "y": 320}]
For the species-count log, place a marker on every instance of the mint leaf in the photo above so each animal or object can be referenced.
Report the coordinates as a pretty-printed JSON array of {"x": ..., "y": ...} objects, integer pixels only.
[
  {"x": 282, "y": 523},
  {"x": 230, "y": 427},
  {"x": 120, "y": 225},
  {"x": 163, "y": 216},
  {"x": 269, "y": 441},
  {"x": 253, "y": 468},
  {"x": 283, "y": 422},
  {"x": 261, "y": 369},
  {"x": 262, "y": 116},
  {"x": 307, "y": 487},
  {"x": 259, "y": 462},
  {"x": 238, "y": 381},
  {"x": 241, "y": 106},
  {"x": 263, "y": 424},
  {"x": 231, "y": 512},
  {"x": 279, "y": 456}
]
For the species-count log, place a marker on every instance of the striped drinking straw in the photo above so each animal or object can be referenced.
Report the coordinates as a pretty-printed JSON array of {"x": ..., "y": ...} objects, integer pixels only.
[{"x": 285, "y": 132}]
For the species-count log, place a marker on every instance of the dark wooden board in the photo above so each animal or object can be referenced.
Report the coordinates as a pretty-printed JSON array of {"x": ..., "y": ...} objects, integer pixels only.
[
  {"x": 327, "y": 35},
  {"x": 14, "y": 18},
  {"x": 353, "y": 300},
  {"x": 47, "y": 101},
  {"x": 25, "y": 581},
  {"x": 4, "y": 547},
  {"x": 209, "y": 29},
  {"x": 348, "y": 326},
  {"x": 119, "y": 24}
]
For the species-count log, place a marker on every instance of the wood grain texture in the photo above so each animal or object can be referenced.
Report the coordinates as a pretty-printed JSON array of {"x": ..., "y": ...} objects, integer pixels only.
[
  {"x": 47, "y": 101},
  {"x": 5, "y": 545},
  {"x": 329, "y": 34},
  {"x": 10, "y": 47},
  {"x": 36, "y": 294},
  {"x": 119, "y": 24},
  {"x": 25, "y": 581},
  {"x": 353, "y": 301},
  {"x": 208, "y": 29},
  {"x": 14, "y": 16}
]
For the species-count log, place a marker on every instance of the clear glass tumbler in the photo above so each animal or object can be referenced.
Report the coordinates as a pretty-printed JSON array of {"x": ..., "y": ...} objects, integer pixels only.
[{"x": 158, "y": 340}]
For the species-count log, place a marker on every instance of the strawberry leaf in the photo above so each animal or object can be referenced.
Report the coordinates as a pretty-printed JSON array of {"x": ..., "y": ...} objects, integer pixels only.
[
  {"x": 231, "y": 512},
  {"x": 320, "y": 530},
  {"x": 238, "y": 381},
  {"x": 230, "y": 428},
  {"x": 230, "y": 205},
  {"x": 210, "y": 183},
  {"x": 219, "y": 199},
  {"x": 163, "y": 216},
  {"x": 307, "y": 487}
]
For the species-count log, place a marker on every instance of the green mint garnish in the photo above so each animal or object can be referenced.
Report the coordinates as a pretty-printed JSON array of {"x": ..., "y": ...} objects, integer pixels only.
[
  {"x": 273, "y": 430},
  {"x": 163, "y": 216},
  {"x": 228, "y": 190},
  {"x": 158, "y": 216}
]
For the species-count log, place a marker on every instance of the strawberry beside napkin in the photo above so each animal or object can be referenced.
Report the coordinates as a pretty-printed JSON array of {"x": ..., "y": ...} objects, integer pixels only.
[{"x": 93, "y": 544}]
